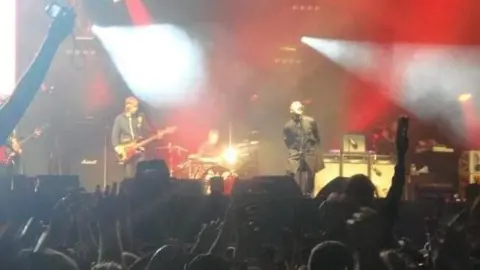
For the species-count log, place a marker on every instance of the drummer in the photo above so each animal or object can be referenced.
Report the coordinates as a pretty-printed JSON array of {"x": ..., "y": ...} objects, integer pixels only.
[{"x": 211, "y": 147}]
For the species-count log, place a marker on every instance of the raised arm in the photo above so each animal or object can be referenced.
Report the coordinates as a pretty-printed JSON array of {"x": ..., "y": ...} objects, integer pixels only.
[
  {"x": 390, "y": 211},
  {"x": 27, "y": 87},
  {"x": 398, "y": 180}
]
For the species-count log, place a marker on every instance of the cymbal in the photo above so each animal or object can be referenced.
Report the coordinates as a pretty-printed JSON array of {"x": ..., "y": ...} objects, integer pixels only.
[
  {"x": 247, "y": 144},
  {"x": 172, "y": 147},
  {"x": 202, "y": 159}
]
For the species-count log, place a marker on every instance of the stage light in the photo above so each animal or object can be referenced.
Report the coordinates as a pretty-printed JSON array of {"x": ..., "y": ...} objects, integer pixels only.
[
  {"x": 288, "y": 49},
  {"x": 287, "y": 61},
  {"x": 464, "y": 97},
  {"x": 230, "y": 155},
  {"x": 160, "y": 64},
  {"x": 8, "y": 50},
  {"x": 305, "y": 8},
  {"x": 419, "y": 77}
]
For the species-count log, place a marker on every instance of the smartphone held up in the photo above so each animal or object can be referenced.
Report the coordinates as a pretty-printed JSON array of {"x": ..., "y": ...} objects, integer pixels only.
[{"x": 55, "y": 8}]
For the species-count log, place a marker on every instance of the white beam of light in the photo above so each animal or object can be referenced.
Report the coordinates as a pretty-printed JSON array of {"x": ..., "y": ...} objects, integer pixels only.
[
  {"x": 8, "y": 45},
  {"x": 354, "y": 56},
  {"x": 422, "y": 78},
  {"x": 159, "y": 63}
]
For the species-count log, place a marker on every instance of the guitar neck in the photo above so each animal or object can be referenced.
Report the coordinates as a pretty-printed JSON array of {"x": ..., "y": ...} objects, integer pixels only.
[
  {"x": 147, "y": 141},
  {"x": 28, "y": 138}
]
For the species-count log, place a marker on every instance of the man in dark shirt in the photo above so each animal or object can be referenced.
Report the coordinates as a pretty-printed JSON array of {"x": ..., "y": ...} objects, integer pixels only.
[
  {"x": 210, "y": 148},
  {"x": 129, "y": 126},
  {"x": 303, "y": 143}
]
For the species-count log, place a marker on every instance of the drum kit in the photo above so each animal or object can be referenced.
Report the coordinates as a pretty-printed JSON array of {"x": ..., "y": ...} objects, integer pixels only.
[{"x": 239, "y": 159}]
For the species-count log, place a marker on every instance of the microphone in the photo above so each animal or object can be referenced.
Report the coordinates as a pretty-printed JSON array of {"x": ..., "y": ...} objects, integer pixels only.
[{"x": 353, "y": 143}]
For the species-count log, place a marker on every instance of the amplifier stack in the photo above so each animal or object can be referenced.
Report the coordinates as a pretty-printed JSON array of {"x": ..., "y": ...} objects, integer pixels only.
[{"x": 353, "y": 159}]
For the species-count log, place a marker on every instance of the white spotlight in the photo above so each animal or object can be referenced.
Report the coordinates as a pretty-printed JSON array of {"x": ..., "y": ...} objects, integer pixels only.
[
  {"x": 8, "y": 49},
  {"x": 464, "y": 97},
  {"x": 160, "y": 63}
]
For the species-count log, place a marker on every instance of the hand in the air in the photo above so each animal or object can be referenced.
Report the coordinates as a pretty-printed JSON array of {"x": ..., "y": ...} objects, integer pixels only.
[
  {"x": 401, "y": 140},
  {"x": 61, "y": 221},
  {"x": 62, "y": 25},
  {"x": 208, "y": 233},
  {"x": 107, "y": 204}
]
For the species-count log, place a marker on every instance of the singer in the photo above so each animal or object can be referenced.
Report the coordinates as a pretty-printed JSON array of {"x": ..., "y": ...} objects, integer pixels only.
[
  {"x": 303, "y": 143},
  {"x": 129, "y": 126}
]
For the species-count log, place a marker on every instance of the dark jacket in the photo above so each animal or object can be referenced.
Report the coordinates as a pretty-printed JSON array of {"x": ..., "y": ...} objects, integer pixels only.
[
  {"x": 126, "y": 129},
  {"x": 303, "y": 142}
]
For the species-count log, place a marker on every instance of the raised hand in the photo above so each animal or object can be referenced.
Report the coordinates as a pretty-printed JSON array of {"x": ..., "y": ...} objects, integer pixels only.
[
  {"x": 61, "y": 221},
  {"x": 108, "y": 204},
  {"x": 208, "y": 233},
  {"x": 401, "y": 140},
  {"x": 62, "y": 25},
  {"x": 108, "y": 209}
]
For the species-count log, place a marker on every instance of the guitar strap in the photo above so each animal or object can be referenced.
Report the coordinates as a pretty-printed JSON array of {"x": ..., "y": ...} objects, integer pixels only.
[{"x": 130, "y": 126}]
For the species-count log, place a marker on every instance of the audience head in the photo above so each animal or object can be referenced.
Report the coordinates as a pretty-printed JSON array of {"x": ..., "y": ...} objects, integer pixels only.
[
  {"x": 167, "y": 258},
  {"x": 361, "y": 190},
  {"x": 330, "y": 255},
  {"x": 156, "y": 169},
  {"x": 336, "y": 186}
]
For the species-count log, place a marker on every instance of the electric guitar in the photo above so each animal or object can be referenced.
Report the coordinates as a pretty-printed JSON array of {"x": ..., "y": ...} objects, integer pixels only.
[
  {"x": 126, "y": 151},
  {"x": 7, "y": 154}
]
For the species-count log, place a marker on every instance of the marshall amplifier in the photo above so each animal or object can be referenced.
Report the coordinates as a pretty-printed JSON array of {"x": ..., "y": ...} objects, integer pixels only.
[
  {"x": 381, "y": 172},
  {"x": 354, "y": 143},
  {"x": 87, "y": 152},
  {"x": 331, "y": 171}
]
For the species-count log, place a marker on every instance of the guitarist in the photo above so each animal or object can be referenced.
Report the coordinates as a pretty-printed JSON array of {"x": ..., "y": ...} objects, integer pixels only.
[
  {"x": 129, "y": 126},
  {"x": 12, "y": 146}
]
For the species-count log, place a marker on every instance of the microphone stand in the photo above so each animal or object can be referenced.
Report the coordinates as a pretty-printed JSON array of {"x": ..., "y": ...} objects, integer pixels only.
[{"x": 170, "y": 158}]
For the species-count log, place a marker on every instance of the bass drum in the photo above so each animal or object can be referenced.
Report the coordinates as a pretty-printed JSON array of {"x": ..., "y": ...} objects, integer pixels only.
[{"x": 226, "y": 175}]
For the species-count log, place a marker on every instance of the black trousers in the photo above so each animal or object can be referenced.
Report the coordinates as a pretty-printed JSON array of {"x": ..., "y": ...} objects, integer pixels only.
[
  {"x": 130, "y": 168},
  {"x": 303, "y": 174}
]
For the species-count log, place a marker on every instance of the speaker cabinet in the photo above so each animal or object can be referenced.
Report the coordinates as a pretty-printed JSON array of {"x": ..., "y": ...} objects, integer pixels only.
[
  {"x": 354, "y": 143},
  {"x": 469, "y": 163},
  {"x": 86, "y": 152},
  {"x": 381, "y": 174},
  {"x": 334, "y": 167},
  {"x": 323, "y": 177},
  {"x": 350, "y": 169},
  {"x": 267, "y": 186}
]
